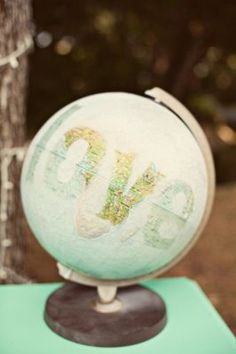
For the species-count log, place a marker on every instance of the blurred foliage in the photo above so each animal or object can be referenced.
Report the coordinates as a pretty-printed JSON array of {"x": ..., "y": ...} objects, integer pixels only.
[{"x": 184, "y": 46}]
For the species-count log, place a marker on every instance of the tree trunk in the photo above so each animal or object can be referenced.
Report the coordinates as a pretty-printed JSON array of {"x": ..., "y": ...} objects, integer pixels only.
[{"x": 15, "y": 40}]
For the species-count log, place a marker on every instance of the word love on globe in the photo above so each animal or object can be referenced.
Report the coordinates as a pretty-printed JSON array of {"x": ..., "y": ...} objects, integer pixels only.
[{"x": 120, "y": 200}]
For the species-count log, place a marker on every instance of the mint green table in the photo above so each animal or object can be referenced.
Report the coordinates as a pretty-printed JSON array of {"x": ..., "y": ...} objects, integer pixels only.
[{"x": 194, "y": 327}]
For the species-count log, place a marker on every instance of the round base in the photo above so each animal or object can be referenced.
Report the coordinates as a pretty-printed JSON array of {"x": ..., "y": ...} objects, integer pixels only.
[{"x": 70, "y": 313}]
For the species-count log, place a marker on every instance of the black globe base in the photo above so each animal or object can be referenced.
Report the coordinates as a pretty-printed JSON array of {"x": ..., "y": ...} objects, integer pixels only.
[{"x": 70, "y": 313}]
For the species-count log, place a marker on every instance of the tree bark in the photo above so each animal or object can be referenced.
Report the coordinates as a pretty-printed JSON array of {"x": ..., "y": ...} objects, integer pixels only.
[{"x": 15, "y": 33}]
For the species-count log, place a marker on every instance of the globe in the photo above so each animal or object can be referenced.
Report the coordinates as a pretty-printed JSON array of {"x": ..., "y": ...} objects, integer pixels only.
[{"x": 115, "y": 186}]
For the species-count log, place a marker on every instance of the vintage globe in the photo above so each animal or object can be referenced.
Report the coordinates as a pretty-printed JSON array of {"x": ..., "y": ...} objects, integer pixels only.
[{"x": 115, "y": 186}]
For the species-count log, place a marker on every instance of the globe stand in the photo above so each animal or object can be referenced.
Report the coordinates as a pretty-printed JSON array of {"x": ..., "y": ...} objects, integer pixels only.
[{"x": 99, "y": 317}]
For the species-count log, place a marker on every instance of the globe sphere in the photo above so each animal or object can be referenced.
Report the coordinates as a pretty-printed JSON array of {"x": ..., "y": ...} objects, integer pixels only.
[{"x": 115, "y": 186}]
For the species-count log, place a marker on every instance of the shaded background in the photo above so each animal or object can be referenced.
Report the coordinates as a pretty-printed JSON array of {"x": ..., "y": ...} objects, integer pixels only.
[{"x": 186, "y": 47}]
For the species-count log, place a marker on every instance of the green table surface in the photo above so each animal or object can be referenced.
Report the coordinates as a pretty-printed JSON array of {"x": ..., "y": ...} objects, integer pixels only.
[{"x": 194, "y": 326}]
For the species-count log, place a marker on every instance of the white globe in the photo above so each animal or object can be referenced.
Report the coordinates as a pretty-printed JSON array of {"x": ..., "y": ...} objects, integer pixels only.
[{"x": 115, "y": 186}]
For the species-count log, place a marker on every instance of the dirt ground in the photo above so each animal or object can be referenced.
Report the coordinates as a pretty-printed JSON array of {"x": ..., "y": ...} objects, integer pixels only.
[{"x": 212, "y": 262}]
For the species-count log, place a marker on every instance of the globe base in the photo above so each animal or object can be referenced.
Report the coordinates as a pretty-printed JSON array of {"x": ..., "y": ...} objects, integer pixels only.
[{"x": 71, "y": 312}]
